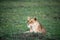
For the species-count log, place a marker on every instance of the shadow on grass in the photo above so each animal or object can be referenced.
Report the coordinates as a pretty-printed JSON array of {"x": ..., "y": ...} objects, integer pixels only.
[{"x": 26, "y": 36}]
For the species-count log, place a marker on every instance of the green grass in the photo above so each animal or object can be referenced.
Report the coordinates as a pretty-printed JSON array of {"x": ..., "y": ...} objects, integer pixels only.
[{"x": 13, "y": 16}]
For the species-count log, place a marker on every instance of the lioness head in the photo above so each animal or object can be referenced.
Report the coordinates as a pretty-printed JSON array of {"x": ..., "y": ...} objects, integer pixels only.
[{"x": 31, "y": 20}]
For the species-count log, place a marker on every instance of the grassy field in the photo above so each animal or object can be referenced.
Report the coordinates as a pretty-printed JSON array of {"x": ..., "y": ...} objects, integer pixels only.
[{"x": 13, "y": 17}]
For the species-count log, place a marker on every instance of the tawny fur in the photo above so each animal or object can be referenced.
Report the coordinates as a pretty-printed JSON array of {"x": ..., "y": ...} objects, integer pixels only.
[{"x": 35, "y": 26}]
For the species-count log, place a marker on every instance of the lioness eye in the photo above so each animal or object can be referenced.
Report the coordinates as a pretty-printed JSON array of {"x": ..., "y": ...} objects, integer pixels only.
[{"x": 31, "y": 21}]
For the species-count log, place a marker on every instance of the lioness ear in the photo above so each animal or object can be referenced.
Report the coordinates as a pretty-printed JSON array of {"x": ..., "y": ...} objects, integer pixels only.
[
  {"x": 28, "y": 18},
  {"x": 35, "y": 18}
]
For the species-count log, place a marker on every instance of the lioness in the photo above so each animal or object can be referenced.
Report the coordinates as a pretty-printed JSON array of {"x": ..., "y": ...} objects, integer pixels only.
[{"x": 35, "y": 26}]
